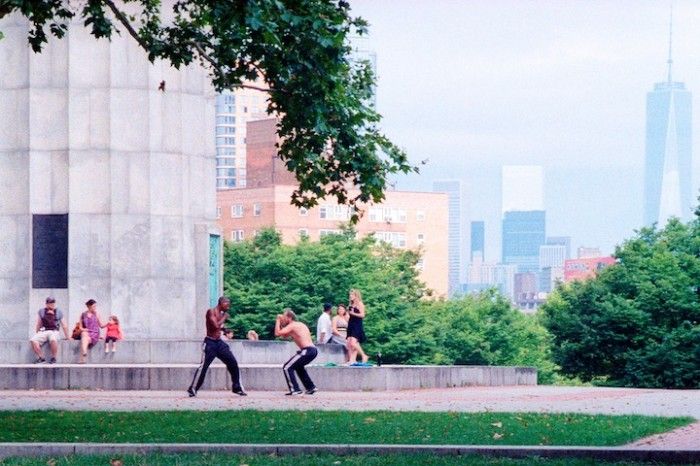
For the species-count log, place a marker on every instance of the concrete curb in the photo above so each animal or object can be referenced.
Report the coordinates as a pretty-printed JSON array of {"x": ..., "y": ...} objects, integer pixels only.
[{"x": 596, "y": 453}]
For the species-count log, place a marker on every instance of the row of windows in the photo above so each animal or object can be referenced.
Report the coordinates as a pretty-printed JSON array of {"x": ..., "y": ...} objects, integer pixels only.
[
  {"x": 335, "y": 212},
  {"x": 224, "y": 151},
  {"x": 225, "y": 140},
  {"x": 237, "y": 210},
  {"x": 225, "y": 130},
  {"x": 225, "y": 120},
  {"x": 387, "y": 214},
  {"x": 395, "y": 239}
]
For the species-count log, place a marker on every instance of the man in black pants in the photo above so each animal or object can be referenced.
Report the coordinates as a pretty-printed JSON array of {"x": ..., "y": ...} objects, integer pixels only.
[
  {"x": 287, "y": 326},
  {"x": 215, "y": 347}
]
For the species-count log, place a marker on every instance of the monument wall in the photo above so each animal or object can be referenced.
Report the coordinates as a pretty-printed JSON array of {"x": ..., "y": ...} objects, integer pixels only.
[{"x": 87, "y": 139}]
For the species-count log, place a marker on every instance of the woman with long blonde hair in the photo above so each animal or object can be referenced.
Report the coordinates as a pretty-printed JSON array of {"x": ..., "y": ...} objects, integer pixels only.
[{"x": 356, "y": 331}]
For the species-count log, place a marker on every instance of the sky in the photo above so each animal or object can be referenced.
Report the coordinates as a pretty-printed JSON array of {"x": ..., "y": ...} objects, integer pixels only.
[{"x": 474, "y": 85}]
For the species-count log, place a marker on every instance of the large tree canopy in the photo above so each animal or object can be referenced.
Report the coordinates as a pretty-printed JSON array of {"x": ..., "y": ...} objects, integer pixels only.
[
  {"x": 638, "y": 322},
  {"x": 298, "y": 49}
]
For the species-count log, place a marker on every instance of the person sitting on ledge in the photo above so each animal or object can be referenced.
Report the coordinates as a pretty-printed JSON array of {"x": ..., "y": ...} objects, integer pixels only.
[
  {"x": 252, "y": 335},
  {"x": 90, "y": 326},
  {"x": 47, "y": 325}
]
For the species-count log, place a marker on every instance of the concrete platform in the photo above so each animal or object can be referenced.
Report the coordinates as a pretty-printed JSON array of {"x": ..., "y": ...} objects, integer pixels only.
[
  {"x": 255, "y": 377},
  {"x": 166, "y": 352}
]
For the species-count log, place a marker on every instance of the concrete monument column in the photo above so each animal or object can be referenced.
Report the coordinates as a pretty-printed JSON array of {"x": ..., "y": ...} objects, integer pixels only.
[{"x": 85, "y": 133}]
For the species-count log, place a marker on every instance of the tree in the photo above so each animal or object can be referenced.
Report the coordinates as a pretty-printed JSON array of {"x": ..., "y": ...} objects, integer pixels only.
[
  {"x": 263, "y": 276},
  {"x": 298, "y": 50},
  {"x": 638, "y": 322}
]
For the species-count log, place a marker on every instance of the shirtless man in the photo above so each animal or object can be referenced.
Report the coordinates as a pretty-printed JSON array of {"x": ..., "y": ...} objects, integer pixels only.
[
  {"x": 215, "y": 347},
  {"x": 287, "y": 326}
]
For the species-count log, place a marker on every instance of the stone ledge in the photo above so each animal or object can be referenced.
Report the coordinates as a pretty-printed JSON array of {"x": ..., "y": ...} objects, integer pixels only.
[
  {"x": 503, "y": 451},
  {"x": 263, "y": 377},
  {"x": 166, "y": 352}
]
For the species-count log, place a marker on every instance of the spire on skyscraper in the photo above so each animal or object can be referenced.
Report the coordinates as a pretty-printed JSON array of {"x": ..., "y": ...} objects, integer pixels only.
[{"x": 670, "y": 44}]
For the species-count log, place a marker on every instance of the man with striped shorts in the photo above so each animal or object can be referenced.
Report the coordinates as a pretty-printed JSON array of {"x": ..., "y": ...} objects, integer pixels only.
[{"x": 286, "y": 325}]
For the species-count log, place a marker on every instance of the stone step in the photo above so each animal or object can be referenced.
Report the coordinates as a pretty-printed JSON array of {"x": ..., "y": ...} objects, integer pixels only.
[
  {"x": 165, "y": 352},
  {"x": 263, "y": 377}
]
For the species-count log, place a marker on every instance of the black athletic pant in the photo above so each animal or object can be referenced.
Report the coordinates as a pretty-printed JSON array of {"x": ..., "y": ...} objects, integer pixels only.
[
  {"x": 296, "y": 364},
  {"x": 219, "y": 349}
]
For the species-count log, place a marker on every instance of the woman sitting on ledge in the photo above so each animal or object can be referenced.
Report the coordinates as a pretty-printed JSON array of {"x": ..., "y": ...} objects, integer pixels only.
[{"x": 89, "y": 329}]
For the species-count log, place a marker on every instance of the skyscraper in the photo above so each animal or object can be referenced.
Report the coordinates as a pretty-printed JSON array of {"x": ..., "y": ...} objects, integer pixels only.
[
  {"x": 453, "y": 188},
  {"x": 668, "y": 169},
  {"x": 523, "y": 234},
  {"x": 477, "y": 243},
  {"x": 233, "y": 110}
]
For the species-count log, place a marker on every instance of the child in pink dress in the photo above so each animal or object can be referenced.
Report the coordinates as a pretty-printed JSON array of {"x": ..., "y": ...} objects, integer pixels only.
[{"x": 114, "y": 333}]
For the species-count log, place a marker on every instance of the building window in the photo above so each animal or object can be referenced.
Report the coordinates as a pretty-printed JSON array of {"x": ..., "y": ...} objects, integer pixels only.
[
  {"x": 225, "y": 130},
  {"x": 225, "y": 161},
  {"x": 394, "y": 238},
  {"x": 257, "y": 209},
  {"x": 237, "y": 236},
  {"x": 225, "y": 151},
  {"x": 303, "y": 233},
  {"x": 237, "y": 211},
  {"x": 421, "y": 238},
  {"x": 335, "y": 212},
  {"x": 326, "y": 232},
  {"x": 225, "y": 172},
  {"x": 387, "y": 214},
  {"x": 225, "y": 120},
  {"x": 420, "y": 264},
  {"x": 303, "y": 211},
  {"x": 227, "y": 140},
  {"x": 218, "y": 212},
  {"x": 420, "y": 215}
]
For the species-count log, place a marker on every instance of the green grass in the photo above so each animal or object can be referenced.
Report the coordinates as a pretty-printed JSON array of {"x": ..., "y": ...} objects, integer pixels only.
[
  {"x": 192, "y": 459},
  {"x": 383, "y": 427}
]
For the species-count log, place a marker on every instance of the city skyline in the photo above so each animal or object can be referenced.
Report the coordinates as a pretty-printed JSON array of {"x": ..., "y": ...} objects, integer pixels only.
[{"x": 561, "y": 85}]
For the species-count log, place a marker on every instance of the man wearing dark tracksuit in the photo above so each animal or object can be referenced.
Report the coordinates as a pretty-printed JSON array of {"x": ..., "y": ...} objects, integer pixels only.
[
  {"x": 215, "y": 347},
  {"x": 286, "y": 325}
]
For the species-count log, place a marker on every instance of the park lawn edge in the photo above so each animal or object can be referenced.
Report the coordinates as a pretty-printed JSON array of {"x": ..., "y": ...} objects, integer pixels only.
[{"x": 328, "y": 427}]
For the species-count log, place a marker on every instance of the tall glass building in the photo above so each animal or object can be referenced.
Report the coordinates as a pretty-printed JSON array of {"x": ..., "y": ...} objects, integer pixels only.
[
  {"x": 233, "y": 110},
  {"x": 478, "y": 241},
  {"x": 668, "y": 169},
  {"x": 523, "y": 234},
  {"x": 453, "y": 188}
]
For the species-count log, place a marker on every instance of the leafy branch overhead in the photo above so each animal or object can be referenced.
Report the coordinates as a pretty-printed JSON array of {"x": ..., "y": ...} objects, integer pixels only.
[{"x": 297, "y": 51}]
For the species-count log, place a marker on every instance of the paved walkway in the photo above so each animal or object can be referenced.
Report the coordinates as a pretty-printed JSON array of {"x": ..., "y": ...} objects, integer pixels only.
[{"x": 592, "y": 400}]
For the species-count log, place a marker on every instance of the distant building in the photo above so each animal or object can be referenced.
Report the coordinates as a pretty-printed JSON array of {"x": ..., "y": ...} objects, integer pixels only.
[
  {"x": 552, "y": 256},
  {"x": 584, "y": 252},
  {"x": 550, "y": 277},
  {"x": 526, "y": 291},
  {"x": 582, "y": 269},
  {"x": 477, "y": 241},
  {"x": 406, "y": 220},
  {"x": 453, "y": 188},
  {"x": 234, "y": 109},
  {"x": 523, "y": 234},
  {"x": 482, "y": 276},
  {"x": 669, "y": 165},
  {"x": 560, "y": 241}
]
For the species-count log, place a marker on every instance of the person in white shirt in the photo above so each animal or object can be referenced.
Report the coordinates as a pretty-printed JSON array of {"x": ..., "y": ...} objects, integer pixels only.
[{"x": 323, "y": 327}]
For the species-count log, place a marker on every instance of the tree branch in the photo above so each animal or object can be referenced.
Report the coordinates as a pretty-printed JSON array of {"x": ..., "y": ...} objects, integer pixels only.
[{"x": 122, "y": 19}]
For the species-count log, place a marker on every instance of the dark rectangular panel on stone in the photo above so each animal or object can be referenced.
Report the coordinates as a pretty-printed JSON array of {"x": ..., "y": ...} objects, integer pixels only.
[{"x": 50, "y": 251}]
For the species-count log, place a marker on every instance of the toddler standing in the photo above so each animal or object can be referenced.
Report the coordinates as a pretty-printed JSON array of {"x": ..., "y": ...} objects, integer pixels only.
[{"x": 114, "y": 333}]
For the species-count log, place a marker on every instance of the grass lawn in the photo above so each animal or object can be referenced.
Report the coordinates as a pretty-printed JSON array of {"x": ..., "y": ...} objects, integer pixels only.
[
  {"x": 310, "y": 460},
  {"x": 322, "y": 427}
]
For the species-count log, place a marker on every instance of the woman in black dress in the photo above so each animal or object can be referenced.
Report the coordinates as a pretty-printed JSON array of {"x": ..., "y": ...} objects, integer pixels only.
[{"x": 356, "y": 331}]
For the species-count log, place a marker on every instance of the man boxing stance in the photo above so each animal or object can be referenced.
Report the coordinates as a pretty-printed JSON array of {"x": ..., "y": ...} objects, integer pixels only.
[{"x": 286, "y": 325}]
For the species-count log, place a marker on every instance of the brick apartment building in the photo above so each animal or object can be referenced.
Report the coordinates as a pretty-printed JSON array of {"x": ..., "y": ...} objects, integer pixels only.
[{"x": 406, "y": 220}]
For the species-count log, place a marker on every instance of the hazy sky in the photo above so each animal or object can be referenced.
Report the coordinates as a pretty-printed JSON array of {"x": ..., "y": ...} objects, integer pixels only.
[{"x": 475, "y": 85}]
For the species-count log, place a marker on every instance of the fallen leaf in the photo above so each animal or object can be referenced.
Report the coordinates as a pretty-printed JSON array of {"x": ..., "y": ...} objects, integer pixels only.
[
  {"x": 497, "y": 424},
  {"x": 497, "y": 436}
]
